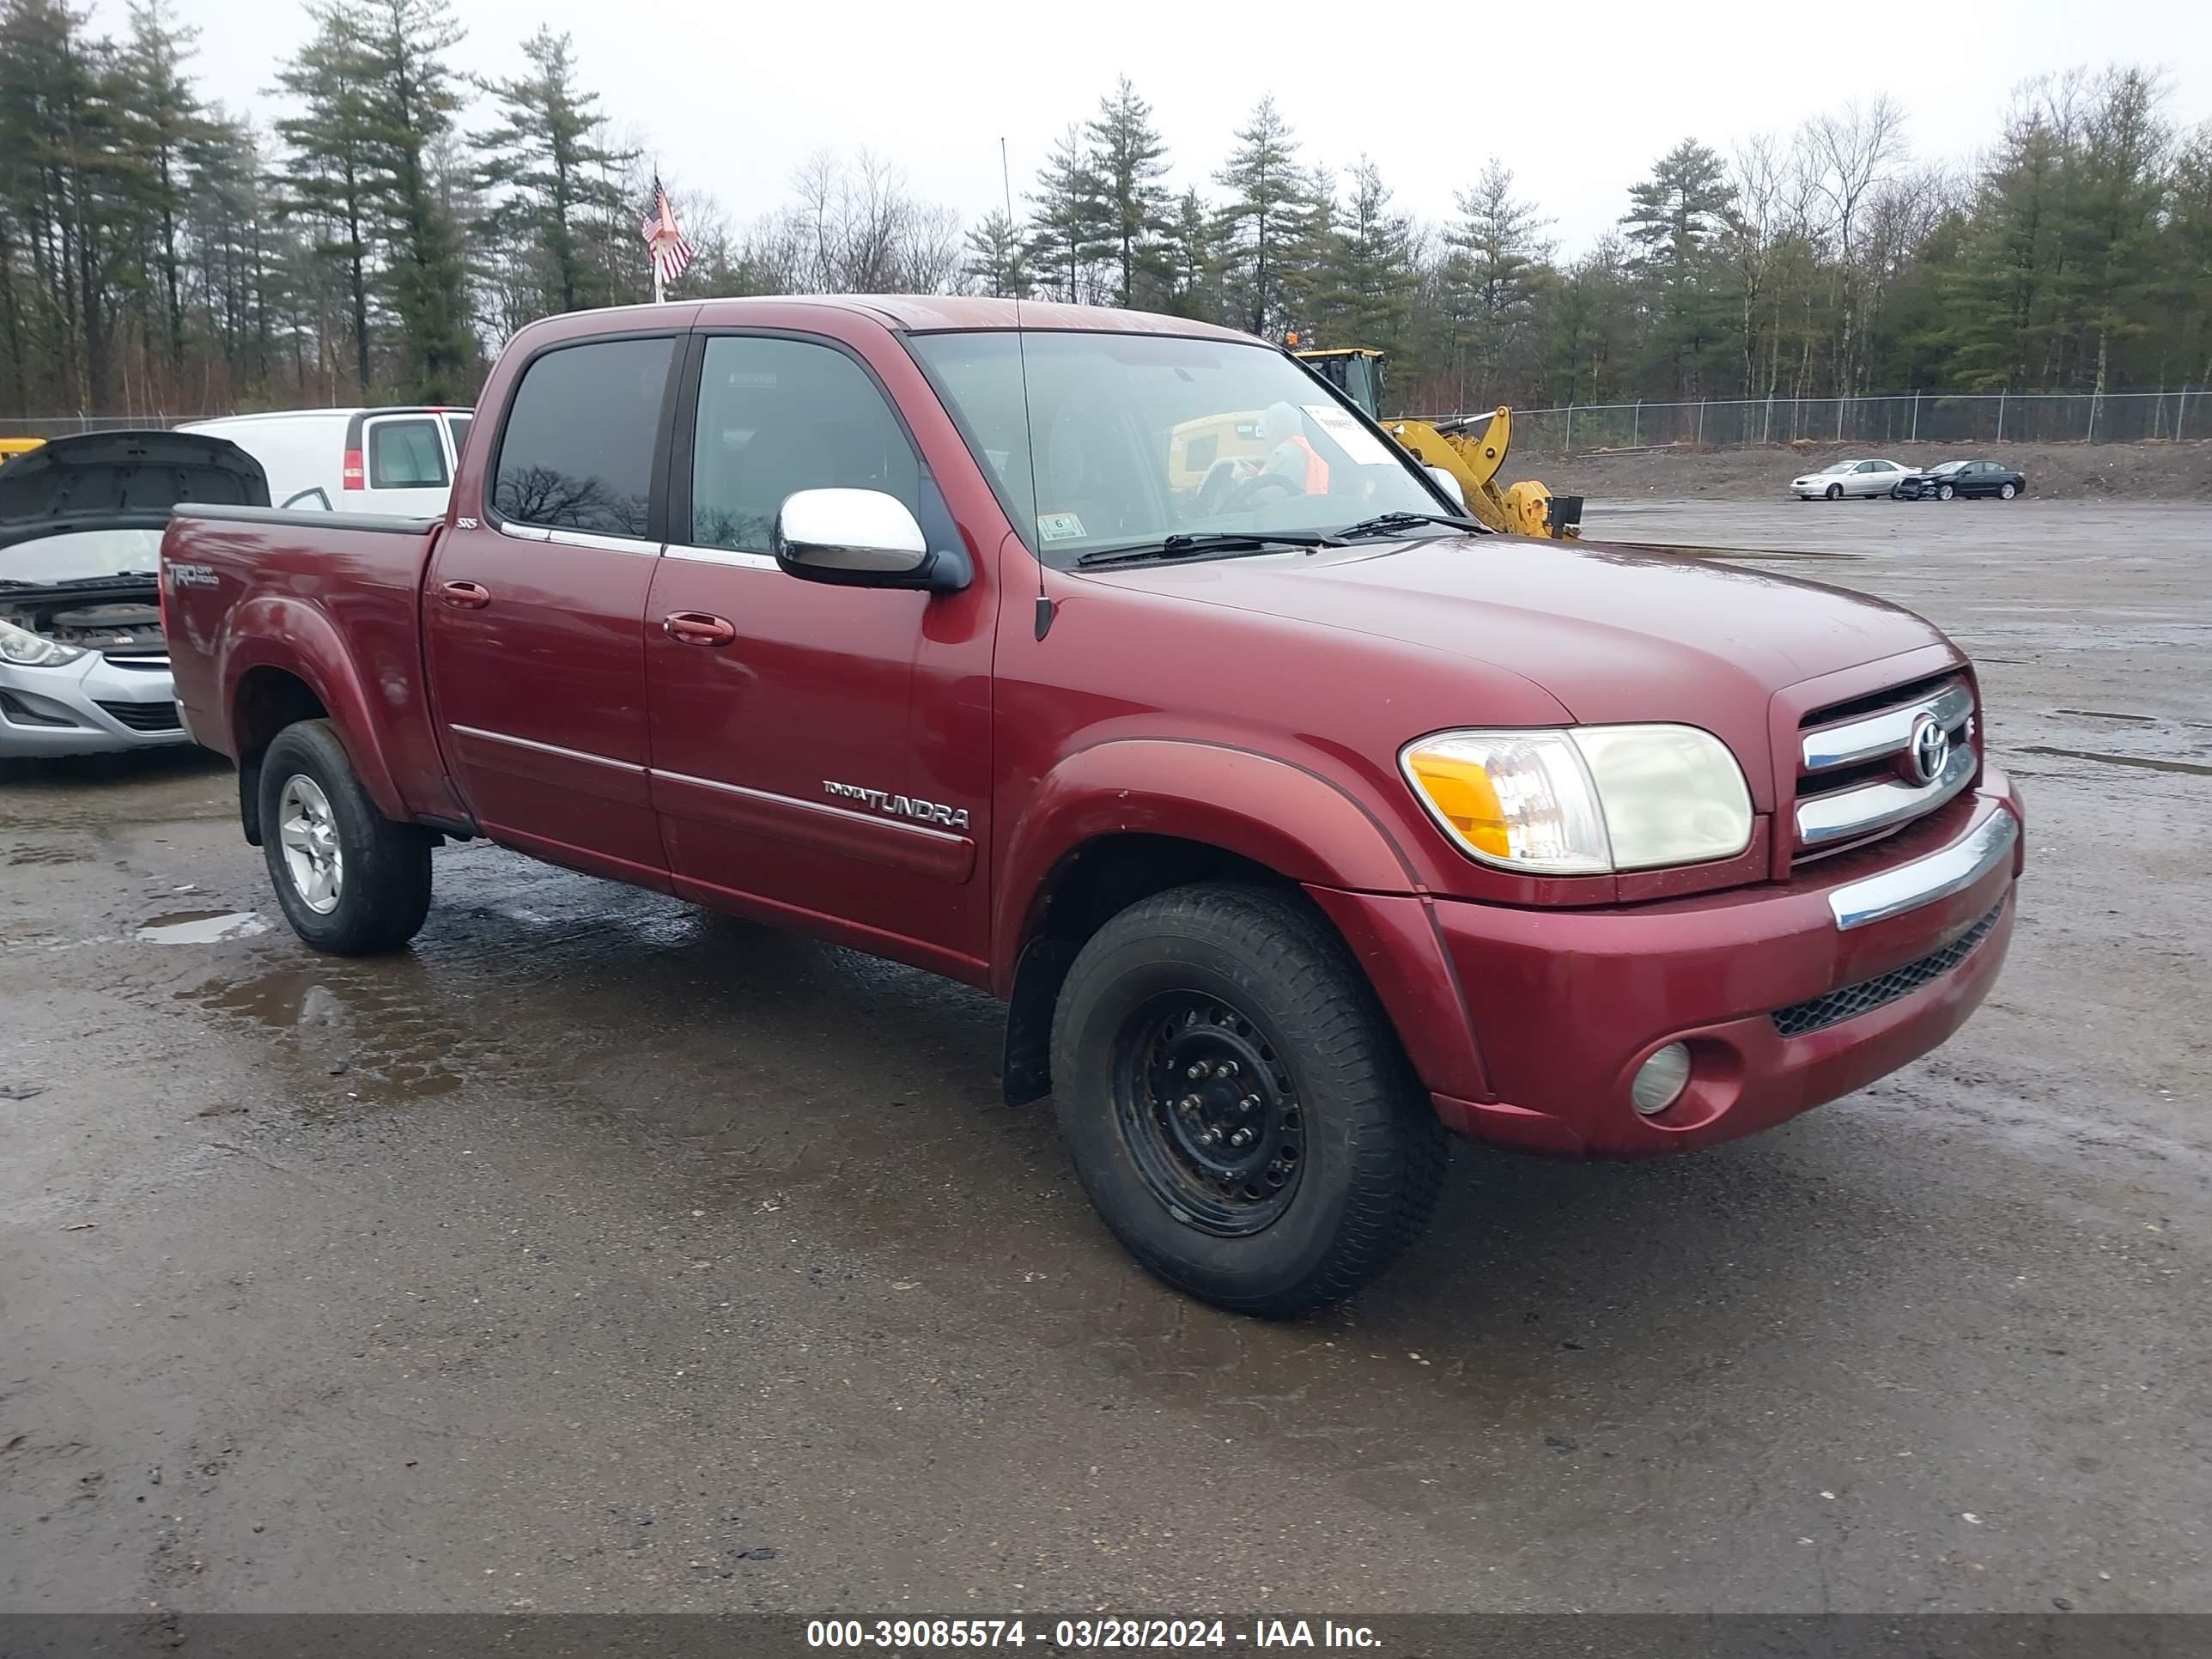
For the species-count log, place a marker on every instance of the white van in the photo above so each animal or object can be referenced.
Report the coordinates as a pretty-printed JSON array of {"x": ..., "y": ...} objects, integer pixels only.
[{"x": 399, "y": 460}]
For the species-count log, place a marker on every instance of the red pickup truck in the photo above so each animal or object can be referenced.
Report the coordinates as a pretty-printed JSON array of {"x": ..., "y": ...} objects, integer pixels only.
[{"x": 1117, "y": 664}]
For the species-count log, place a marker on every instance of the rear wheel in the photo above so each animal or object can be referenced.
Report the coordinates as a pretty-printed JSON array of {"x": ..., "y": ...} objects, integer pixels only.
[
  {"x": 350, "y": 881},
  {"x": 1835, "y": 492},
  {"x": 1236, "y": 1104},
  {"x": 2007, "y": 490}
]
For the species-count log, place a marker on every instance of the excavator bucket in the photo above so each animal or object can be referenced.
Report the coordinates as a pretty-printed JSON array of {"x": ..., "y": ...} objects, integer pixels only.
[{"x": 1472, "y": 459}]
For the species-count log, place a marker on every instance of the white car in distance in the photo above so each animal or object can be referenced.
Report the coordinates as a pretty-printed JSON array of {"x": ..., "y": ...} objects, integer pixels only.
[{"x": 1854, "y": 477}]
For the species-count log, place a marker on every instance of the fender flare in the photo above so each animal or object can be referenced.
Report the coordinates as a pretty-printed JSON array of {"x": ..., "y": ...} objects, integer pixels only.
[
  {"x": 282, "y": 631},
  {"x": 1275, "y": 812},
  {"x": 1287, "y": 817}
]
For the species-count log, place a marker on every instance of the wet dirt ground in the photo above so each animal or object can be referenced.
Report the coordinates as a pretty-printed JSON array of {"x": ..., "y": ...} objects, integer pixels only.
[{"x": 601, "y": 1254}]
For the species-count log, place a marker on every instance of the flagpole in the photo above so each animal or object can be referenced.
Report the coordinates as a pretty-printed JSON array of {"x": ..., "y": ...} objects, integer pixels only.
[{"x": 659, "y": 293}]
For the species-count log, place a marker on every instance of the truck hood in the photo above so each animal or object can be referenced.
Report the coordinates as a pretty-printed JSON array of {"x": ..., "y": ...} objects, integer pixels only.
[
  {"x": 1611, "y": 633},
  {"x": 119, "y": 481}
]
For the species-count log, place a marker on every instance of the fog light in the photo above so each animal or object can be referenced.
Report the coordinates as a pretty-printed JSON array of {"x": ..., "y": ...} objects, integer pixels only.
[{"x": 1660, "y": 1079}]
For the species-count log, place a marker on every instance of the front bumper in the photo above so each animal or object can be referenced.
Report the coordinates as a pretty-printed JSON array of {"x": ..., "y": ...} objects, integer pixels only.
[
  {"x": 1566, "y": 1005},
  {"x": 72, "y": 709}
]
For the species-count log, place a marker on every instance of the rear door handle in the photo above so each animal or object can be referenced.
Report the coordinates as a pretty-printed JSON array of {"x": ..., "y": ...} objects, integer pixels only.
[
  {"x": 697, "y": 628},
  {"x": 464, "y": 596}
]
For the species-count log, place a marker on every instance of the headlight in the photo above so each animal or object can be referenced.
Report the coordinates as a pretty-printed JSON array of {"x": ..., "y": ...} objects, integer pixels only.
[
  {"x": 1584, "y": 800},
  {"x": 27, "y": 650}
]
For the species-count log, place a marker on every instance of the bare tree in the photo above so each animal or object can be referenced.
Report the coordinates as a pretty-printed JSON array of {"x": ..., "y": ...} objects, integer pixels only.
[{"x": 1853, "y": 153}]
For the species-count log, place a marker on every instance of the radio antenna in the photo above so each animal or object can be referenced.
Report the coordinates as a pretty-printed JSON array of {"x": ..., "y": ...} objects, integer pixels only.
[{"x": 1044, "y": 607}]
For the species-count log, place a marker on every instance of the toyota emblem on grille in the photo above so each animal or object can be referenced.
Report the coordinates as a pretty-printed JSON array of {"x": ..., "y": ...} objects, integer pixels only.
[{"x": 1929, "y": 750}]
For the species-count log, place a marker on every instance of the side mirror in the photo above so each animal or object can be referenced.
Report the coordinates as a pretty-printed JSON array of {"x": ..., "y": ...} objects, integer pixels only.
[
  {"x": 861, "y": 538},
  {"x": 1448, "y": 484}
]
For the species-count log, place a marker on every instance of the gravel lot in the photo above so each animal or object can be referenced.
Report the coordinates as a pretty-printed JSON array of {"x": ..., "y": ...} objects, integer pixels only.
[{"x": 600, "y": 1254}]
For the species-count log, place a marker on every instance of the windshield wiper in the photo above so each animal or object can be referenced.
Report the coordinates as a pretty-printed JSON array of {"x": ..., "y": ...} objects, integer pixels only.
[
  {"x": 1217, "y": 541},
  {"x": 1383, "y": 524}
]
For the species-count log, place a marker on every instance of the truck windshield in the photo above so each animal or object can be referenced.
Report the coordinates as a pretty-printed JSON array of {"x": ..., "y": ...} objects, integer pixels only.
[{"x": 1135, "y": 438}]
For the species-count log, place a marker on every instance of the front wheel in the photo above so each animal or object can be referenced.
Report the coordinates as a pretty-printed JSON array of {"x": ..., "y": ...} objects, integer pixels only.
[
  {"x": 1944, "y": 492},
  {"x": 1236, "y": 1104},
  {"x": 351, "y": 881},
  {"x": 1897, "y": 492},
  {"x": 2007, "y": 491},
  {"x": 1835, "y": 492}
]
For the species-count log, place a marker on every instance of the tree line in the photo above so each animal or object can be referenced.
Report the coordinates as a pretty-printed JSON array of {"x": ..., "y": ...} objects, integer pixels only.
[{"x": 379, "y": 238}]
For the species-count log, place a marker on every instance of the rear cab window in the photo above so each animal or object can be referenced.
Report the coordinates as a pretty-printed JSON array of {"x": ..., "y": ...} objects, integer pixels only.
[{"x": 577, "y": 450}]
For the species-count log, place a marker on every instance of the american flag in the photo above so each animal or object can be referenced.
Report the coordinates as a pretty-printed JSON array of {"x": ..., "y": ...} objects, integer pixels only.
[{"x": 670, "y": 252}]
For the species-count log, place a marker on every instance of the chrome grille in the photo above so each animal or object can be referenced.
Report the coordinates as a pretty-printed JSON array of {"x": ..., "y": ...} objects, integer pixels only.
[{"x": 1869, "y": 767}]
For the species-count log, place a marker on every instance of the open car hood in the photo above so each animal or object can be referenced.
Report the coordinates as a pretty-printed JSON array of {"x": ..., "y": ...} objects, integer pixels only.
[{"x": 121, "y": 481}]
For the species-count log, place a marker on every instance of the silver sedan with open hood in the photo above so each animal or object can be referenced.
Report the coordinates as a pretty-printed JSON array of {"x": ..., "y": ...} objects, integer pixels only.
[{"x": 83, "y": 666}]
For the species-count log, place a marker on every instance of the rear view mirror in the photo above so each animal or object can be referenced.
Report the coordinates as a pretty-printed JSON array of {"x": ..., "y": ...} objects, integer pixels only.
[
  {"x": 1448, "y": 484},
  {"x": 860, "y": 539}
]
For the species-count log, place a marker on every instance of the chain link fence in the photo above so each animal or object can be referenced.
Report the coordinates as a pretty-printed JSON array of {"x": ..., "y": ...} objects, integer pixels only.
[
  {"x": 1977, "y": 418},
  {"x": 61, "y": 426},
  {"x": 1972, "y": 417}
]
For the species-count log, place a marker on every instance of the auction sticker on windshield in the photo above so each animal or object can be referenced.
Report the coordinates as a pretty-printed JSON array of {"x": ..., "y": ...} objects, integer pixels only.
[
  {"x": 1363, "y": 446},
  {"x": 1058, "y": 526}
]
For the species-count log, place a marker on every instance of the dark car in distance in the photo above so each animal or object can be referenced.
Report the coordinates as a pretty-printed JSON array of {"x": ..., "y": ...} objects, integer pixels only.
[{"x": 1963, "y": 478}]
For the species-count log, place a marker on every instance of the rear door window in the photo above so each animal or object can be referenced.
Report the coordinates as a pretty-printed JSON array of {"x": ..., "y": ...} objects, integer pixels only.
[
  {"x": 578, "y": 446},
  {"x": 406, "y": 454},
  {"x": 459, "y": 426}
]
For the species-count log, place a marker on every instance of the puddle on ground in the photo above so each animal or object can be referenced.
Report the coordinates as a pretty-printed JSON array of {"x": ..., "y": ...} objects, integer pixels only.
[
  {"x": 2189, "y": 766},
  {"x": 200, "y": 928},
  {"x": 376, "y": 1025}
]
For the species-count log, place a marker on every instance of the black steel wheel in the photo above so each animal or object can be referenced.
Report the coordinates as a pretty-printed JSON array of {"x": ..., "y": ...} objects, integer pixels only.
[
  {"x": 1210, "y": 1113},
  {"x": 1237, "y": 1103}
]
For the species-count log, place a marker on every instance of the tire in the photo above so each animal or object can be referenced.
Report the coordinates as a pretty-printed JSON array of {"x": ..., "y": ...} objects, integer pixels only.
[
  {"x": 2006, "y": 491},
  {"x": 1835, "y": 492},
  {"x": 1896, "y": 492},
  {"x": 1944, "y": 492},
  {"x": 317, "y": 821},
  {"x": 1347, "y": 1157}
]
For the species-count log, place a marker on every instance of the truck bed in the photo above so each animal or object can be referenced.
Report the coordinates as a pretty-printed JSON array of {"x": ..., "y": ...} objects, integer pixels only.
[{"x": 260, "y": 602}]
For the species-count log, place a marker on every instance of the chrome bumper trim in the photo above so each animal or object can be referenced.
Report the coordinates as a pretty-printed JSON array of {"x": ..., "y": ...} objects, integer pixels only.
[{"x": 1948, "y": 870}]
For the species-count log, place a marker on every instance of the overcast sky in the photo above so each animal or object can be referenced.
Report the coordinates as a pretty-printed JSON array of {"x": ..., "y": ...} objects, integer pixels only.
[{"x": 1577, "y": 98}]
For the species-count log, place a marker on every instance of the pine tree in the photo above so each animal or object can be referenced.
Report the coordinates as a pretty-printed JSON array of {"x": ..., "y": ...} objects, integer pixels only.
[
  {"x": 1065, "y": 219},
  {"x": 1190, "y": 260},
  {"x": 330, "y": 175},
  {"x": 166, "y": 128},
  {"x": 1129, "y": 159},
  {"x": 1675, "y": 218},
  {"x": 411, "y": 104},
  {"x": 1368, "y": 272},
  {"x": 997, "y": 259},
  {"x": 1267, "y": 221},
  {"x": 552, "y": 181},
  {"x": 1503, "y": 263}
]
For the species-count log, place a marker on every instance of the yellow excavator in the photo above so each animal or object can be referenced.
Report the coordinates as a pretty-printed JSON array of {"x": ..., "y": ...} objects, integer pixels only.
[{"x": 1471, "y": 458}]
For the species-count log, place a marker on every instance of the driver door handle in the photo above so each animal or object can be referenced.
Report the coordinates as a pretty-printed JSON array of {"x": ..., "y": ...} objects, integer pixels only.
[
  {"x": 697, "y": 628},
  {"x": 465, "y": 595}
]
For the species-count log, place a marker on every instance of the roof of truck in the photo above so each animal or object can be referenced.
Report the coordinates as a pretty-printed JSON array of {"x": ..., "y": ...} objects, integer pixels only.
[{"x": 937, "y": 312}]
